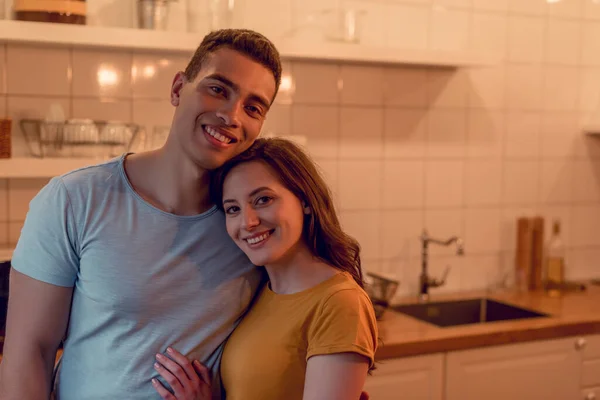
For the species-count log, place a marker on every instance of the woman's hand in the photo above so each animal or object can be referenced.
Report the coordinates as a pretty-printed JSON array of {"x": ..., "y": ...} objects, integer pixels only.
[{"x": 189, "y": 380}]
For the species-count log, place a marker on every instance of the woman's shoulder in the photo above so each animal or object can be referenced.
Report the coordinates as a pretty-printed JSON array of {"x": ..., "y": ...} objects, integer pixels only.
[
  {"x": 345, "y": 321},
  {"x": 344, "y": 291}
]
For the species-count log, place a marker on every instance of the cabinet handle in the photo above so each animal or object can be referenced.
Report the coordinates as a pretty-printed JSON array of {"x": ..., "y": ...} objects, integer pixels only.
[
  {"x": 580, "y": 343},
  {"x": 590, "y": 396}
]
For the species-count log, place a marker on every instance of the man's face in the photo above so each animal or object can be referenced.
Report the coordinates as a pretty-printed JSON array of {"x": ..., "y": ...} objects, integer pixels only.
[{"x": 221, "y": 112}]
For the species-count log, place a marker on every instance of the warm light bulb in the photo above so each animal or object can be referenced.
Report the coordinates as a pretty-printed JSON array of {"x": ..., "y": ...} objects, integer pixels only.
[{"x": 107, "y": 76}]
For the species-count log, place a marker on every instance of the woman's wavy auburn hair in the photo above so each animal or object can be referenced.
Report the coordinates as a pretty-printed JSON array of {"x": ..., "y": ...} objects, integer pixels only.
[{"x": 322, "y": 231}]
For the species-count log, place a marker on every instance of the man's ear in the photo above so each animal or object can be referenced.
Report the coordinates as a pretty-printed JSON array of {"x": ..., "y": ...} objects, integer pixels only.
[{"x": 179, "y": 82}]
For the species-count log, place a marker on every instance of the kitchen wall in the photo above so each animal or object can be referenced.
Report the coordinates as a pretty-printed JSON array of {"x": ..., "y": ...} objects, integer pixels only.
[{"x": 456, "y": 151}]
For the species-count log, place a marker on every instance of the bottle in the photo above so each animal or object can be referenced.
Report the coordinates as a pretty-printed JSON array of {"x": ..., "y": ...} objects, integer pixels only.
[{"x": 554, "y": 268}]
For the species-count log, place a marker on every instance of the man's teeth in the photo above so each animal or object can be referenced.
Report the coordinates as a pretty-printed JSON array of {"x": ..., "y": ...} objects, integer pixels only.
[
  {"x": 258, "y": 239},
  {"x": 217, "y": 135}
]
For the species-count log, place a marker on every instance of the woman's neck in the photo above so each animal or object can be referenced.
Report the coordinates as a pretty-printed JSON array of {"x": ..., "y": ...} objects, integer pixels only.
[{"x": 298, "y": 271}]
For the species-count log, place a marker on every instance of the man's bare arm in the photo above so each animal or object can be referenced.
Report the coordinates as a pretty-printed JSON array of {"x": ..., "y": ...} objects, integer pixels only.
[{"x": 37, "y": 319}]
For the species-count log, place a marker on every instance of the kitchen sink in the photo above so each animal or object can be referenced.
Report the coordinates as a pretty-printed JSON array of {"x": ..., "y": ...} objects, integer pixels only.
[{"x": 465, "y": 312}]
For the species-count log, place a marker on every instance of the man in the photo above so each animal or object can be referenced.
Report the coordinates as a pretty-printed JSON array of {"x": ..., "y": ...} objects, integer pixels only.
[{"x": 130, "y": 256}]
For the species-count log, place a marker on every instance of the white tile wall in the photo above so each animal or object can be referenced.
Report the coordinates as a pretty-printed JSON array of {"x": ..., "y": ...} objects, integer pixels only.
[
  {"x": 456, "y": 151},
  {"x": 3, "y": 200},
  {"x": 490, "y": 32},
  {"x": 361, "y": 86},
  {"x": 361, "y": 133},
  {"x": 491, "y": 5},
  {"x": 316, "y": 83},
  {"x": 526, "y": 38},
  {"x": 2, "y": 70},
  {"x": 407, "y": 26},
  {"x": 403, "y": 184}
]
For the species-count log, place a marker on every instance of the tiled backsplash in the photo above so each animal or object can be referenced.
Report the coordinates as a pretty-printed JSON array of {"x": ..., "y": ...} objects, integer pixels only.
[{"x": 460, "y": 152}]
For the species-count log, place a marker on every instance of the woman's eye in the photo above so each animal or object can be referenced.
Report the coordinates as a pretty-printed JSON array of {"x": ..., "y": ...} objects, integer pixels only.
[
  {"x": 232, "y": 210},
  {"x": 216, "y": 89},
  {"x": 263, "y": 200}
]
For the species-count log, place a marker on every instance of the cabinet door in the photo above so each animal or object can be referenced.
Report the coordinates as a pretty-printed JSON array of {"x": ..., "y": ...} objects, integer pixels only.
[
  {"x": 414, "y": 378},
  {"x": 590, "y": 372},
  {"x": 537, "y": 370},
  {"x": 591, "y": 347}
]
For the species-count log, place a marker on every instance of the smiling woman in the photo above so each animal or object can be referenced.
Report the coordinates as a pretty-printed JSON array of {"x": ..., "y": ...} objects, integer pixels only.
[{"x": 311, "y": 333}]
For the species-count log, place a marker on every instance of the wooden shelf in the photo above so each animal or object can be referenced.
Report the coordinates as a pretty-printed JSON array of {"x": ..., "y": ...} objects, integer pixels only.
[
  {"x": 95, "y": 36},
  {"x": 41, "y": 167},
  {"x": 165, "y": 41}
]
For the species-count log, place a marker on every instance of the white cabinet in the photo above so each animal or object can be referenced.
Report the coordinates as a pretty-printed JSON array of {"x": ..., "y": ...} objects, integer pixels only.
[
  {"x": 411, "y": 378},
  {"x": 590, "y": 371},
  {"x": 541, "y": 370},
  {"x": 560, "y": 369}
]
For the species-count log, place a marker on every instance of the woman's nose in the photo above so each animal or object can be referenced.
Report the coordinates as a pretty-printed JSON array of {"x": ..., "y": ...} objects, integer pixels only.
[{"x": 250, "y": 219}]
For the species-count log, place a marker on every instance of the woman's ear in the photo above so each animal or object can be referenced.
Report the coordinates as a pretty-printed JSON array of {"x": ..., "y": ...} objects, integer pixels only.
[{"x": 306, "y": 208}]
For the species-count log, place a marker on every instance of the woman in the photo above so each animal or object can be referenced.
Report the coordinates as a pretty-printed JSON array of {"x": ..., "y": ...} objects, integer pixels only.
[{"x": 312, "y": 332}]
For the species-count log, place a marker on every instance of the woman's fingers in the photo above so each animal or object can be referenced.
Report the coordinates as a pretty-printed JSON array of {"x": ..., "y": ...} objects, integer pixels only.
[
  {"x": 202, "y": 371},
  {"x": 175, "y": 382},
  {"x": 164, "y": 393},
  {"x": 184, "y": 363},
  {"x": 188, "y": 381}
]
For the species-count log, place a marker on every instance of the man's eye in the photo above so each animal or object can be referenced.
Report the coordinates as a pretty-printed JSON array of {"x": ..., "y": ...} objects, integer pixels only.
[{"x": 216, "y": 89}]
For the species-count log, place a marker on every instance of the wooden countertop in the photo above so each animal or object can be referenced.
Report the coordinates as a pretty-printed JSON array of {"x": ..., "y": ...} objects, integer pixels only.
[{"x": 574, "y": 313}]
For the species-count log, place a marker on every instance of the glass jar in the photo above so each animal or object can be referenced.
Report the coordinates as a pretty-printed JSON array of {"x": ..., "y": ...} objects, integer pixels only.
[{"x": 59, "y": 11}]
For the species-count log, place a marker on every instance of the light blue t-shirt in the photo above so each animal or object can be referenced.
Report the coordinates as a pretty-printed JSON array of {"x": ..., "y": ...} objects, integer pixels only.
[{"x": 143, "y": 280}]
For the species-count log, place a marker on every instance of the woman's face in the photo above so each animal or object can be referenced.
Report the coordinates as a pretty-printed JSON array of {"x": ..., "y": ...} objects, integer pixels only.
[{"x": 264, "y": 218}]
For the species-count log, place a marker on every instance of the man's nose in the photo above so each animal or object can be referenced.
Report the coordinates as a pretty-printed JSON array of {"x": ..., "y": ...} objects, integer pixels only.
[{"x": 229, "y": 113}]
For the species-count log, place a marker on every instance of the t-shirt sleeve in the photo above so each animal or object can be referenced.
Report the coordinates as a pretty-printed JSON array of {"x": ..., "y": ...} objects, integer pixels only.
[
  {"x": 346, "y": 323},
  {"x": 47, "y": 247}
]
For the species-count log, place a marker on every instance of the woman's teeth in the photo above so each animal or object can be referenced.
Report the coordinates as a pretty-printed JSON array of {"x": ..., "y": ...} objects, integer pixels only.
[
  {"x": 258, "y": 239},
  {"x": 217, "y": 135}
]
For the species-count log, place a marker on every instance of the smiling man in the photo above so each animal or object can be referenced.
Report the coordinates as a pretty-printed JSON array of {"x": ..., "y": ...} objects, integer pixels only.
[{"x": 128, "y": 257}]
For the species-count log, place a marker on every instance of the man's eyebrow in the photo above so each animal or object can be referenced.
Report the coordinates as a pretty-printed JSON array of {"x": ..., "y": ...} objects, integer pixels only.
[{"x": 224, "y": 80}]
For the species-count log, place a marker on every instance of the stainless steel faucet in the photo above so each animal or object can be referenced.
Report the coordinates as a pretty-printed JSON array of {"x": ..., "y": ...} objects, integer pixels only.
[{"x": 425, "y": 281}]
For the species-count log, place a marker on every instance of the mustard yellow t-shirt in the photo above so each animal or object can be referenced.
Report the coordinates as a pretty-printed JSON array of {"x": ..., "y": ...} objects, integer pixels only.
[{"x": 265, "y": 358}]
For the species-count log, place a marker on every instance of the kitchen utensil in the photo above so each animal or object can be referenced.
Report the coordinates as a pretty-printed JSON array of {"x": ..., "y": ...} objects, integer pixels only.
[
  {"x": 381, "y": 290},
  {"x": 535, "y": 282},
  {"x": 158, "y": 137},
  {"x": 153, "y": 14},
  {"x": 78, "y": 137},
  {"x": 195, "y": 12},
  {"x": 5, "y": 136},
  {"x": 343, "y": 25},
  {"x": 221, "y": 13}
]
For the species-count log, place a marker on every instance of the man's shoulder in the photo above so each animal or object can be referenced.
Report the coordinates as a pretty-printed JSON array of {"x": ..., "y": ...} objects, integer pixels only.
[{"x": 95, "y": 172}]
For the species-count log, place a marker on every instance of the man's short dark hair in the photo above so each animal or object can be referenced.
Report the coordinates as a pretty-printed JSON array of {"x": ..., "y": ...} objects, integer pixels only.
[{"x": 248, "y": 42}]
